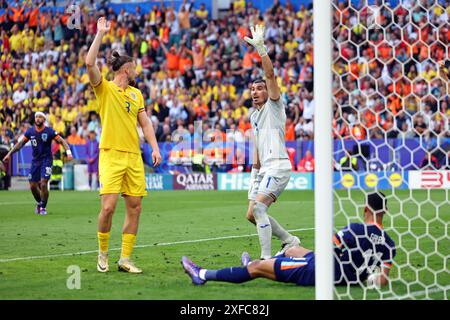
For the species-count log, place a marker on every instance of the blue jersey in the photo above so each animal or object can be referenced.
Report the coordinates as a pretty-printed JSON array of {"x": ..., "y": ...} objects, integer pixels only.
[
  {"x": 41, "y": 142},
  {"x": 359, "y": 249}
]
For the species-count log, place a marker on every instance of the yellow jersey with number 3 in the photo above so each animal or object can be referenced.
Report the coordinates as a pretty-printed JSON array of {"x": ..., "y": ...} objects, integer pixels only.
[{"x": 118, "y": 110}]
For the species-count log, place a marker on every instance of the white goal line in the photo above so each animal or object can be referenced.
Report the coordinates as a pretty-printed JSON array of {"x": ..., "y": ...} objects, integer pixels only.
[
  {"x": 141, "y": 246},
  {"x": 157, "y": 244}
]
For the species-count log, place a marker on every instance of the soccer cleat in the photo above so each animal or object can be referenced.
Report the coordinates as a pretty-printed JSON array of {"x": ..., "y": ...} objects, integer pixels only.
[
  {"x": 192, "y": 270},
  {"x": 102, "y": 262},
  {"x": 43, "y": 211},
  {"x": 245, "y": 259},
  {"x": 295, "y": 241},
  {"x": 125, "y": 265},
  {"x": 37, "y": 210}
]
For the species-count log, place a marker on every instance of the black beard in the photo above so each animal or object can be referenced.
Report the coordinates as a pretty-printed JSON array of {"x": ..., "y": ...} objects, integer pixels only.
[
  {"x": 39, "y": 125},
  {"x": 132, "y": 83}
]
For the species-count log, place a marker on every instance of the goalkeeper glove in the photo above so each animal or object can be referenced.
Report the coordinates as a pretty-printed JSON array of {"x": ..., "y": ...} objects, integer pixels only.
[{"x": 258, "y": 39}]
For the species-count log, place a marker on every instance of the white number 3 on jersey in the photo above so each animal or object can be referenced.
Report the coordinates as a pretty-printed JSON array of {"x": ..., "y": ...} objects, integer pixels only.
[{"x": 48, "y": 171}]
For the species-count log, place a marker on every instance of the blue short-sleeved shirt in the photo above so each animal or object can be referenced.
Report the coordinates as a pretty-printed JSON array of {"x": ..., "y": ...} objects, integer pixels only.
[
  {"x": 41, "y": 142},
  {"x": 359, "y": 248}
]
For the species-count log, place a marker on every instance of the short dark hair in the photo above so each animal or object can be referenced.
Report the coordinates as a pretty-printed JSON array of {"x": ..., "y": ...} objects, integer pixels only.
[
  {"x": 117, "y": 60},
  {"x": 377, "y": 202},
  {"x": 260, "y": 80}
]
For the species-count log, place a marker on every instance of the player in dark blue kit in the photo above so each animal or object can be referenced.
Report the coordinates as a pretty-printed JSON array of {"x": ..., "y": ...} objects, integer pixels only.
[
  {"x": 360, "y": 248},
  {"x": 41, "y": 138}
]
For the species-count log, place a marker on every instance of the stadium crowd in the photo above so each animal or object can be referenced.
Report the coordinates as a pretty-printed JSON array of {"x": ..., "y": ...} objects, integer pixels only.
[
  {"x": 387, "y": 78},
  {"x": 386, "y": 81}
]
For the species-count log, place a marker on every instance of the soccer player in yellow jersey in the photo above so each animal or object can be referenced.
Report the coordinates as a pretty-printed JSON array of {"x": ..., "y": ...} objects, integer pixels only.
[{"x": 121, "y": 169}]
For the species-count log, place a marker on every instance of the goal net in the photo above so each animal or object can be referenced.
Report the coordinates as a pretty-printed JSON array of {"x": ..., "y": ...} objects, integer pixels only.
[{"x": 391, "y": 133}]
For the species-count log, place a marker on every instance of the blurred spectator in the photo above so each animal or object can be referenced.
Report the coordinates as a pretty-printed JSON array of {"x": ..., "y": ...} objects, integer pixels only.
[
  {"x": 349, "y": 162},
  {"x": 19, "y": 95},
  {"x": 446, "y": 161},
  {"x": 59, "y": 125},
  {"x": 94, "y": 124},
  {"x": 290, "y": 130},
  {"x": 83, "y": 131},
  {"x": 4, "y": 138},
  {"x": 306, "y": 164},
  {"x": 429, "y": 162},
  {"x": 74, "y": 138}
]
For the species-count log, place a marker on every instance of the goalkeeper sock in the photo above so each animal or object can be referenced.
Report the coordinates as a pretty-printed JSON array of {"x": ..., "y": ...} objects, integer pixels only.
[
  {"x": 278, "y": 230},
  {"x": 128, "y": 241},
  {"x": 264, "y": 229},
  {"x": 103, "y": 241},
  {"x": 233, "y": 274}
]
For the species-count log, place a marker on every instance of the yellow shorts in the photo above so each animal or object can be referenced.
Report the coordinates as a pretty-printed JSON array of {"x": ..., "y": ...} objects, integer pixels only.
[{"x": 121, "y": 172}]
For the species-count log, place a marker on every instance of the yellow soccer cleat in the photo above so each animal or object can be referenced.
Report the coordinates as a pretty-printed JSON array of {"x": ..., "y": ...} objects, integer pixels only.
[
  {"x": 125, "y": 265},
  {"x": 102, "y": 262}
]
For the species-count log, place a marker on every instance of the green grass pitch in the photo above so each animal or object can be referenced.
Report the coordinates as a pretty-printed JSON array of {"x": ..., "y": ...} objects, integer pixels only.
[{"x": 36, "y": 251}]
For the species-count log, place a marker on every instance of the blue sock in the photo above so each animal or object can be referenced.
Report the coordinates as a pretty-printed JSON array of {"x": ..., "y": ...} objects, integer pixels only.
[{"x": 233, "y": 274}]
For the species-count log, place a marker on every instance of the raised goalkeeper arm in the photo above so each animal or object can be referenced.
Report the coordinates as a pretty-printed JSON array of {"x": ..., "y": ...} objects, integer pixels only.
[
  {"x": 258, "y": 42},
  {"x": 95, "y": 77}
]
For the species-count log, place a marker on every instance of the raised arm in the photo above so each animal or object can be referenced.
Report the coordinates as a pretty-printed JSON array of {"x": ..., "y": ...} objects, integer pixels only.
[
  {"x": 66, "y": 146},
  {"x": 95, "y": 76},
  {"x": 258, "y": 42},
  {"x": 189, "y": 51},
  {"x": 149, "y": 134},
  {"x": 163, "y": 46}
]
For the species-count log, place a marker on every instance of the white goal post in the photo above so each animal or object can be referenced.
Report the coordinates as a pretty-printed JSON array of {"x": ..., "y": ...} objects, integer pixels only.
[
  {"x": 382, "y": 123},
  {"x": 323, "y": 182}
]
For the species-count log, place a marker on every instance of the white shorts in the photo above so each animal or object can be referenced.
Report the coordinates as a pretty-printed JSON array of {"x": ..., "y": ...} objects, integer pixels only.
[
  {"x": 253, "y": 191},
  {"x": 272, "y": 184}
]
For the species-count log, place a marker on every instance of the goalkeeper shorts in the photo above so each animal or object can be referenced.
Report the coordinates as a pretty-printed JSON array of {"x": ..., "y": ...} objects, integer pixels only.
[
  {"x": 273, "y": 184},
  {"x": 121, "y": 172}
]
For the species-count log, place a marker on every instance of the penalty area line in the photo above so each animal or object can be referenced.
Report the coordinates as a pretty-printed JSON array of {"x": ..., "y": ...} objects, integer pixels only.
[{"x": 140, "y": 246}]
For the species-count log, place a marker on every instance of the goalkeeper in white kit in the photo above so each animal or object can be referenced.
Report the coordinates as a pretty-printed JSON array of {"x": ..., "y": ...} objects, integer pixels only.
[{"x": 271, "y": 170}]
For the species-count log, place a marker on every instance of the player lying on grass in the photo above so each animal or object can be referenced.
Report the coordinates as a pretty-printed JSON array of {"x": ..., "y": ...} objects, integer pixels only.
[
  {"x": 121, "y": 168},
  {"x": 41, "y": 138},
  {"x": 360, "y": 248},
  {"x": 272, "y": 172}
]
